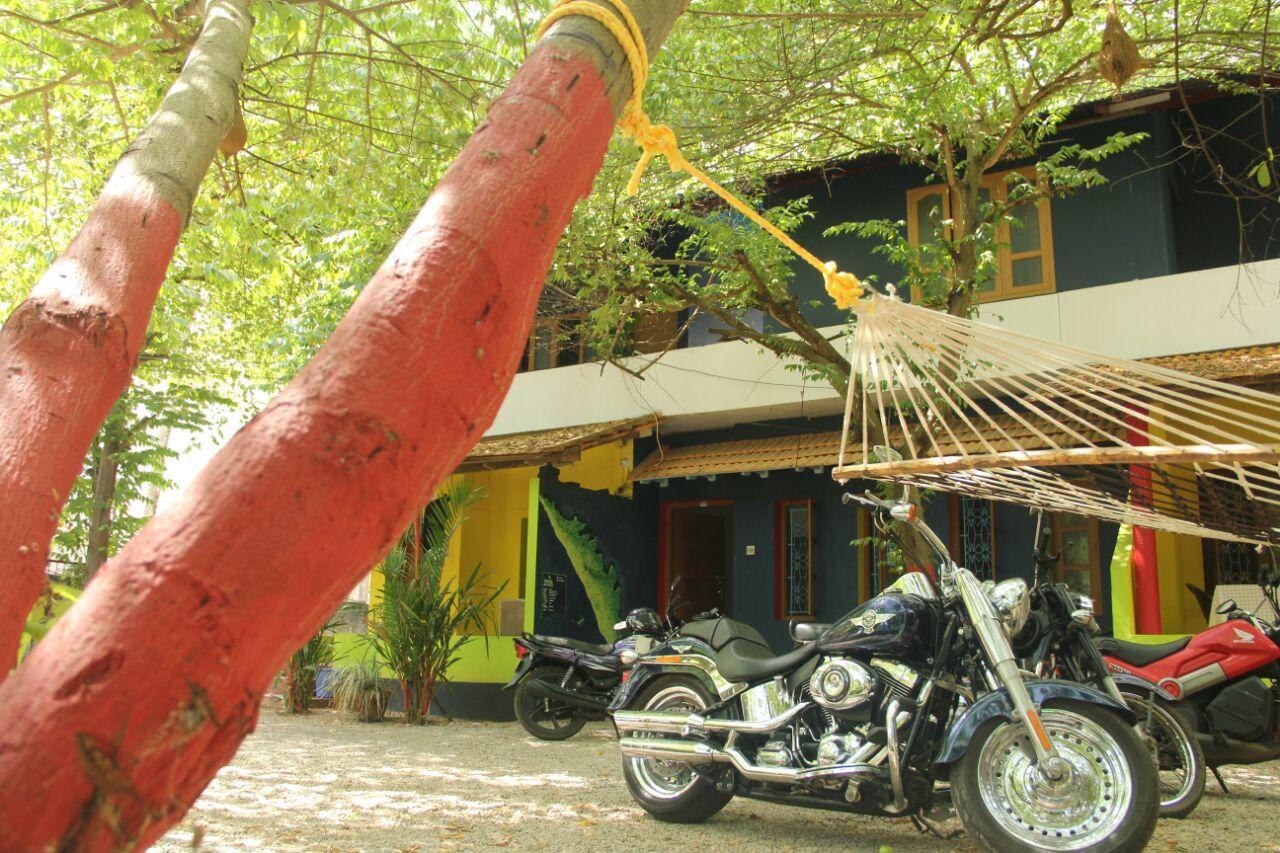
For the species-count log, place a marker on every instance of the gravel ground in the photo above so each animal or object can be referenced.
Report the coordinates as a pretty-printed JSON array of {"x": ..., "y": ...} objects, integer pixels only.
[{"x": 324, "y": 783}]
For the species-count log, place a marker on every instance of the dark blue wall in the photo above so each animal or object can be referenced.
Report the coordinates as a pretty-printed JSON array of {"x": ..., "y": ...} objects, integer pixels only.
[
  {"x": 1206, "y": 219},
  {"x": 753, "y": 582},
  {"x": 1160, "y": 211}
]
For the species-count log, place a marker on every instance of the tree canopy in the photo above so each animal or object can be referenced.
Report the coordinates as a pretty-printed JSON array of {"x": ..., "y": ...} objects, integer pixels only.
[{"x": 353, "y": 111}]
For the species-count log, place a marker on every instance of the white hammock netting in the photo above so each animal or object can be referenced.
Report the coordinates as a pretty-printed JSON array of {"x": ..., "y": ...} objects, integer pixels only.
[{"x": 984, "y": 411}]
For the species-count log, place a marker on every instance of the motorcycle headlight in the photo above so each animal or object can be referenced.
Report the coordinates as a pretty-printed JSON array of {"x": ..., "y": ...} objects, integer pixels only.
[{"x": 1012, "y": 600}]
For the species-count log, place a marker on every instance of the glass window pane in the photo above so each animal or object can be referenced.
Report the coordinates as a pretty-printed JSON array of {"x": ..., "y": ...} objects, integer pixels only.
[
  {"x": 1075, "y": 548},
  {"x": 1080, "y": 582},
  {"x": 1024, "y": 230},
  {"x": 1027, "y": 271},
  {"x": 798, "y": 561},
  {"x": 568, "y": 344},
  {"x": 977, "y": 549},
  {"x": 542, "y": 347},
  {"x": 929, "y": 217}
]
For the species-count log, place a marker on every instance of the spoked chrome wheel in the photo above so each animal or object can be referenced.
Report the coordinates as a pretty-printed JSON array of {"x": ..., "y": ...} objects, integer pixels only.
[
  {"x": 1084, "y": 805},
  {"x": 1179, "y": 758},
  {"x": 667, "y": 780}
]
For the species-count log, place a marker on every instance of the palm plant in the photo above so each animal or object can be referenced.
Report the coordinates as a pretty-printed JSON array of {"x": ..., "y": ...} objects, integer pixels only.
[
  {"x": 303, "y": 667},
  {"x": 422, "y": 620},
  {"x": 358, "y": 691}
]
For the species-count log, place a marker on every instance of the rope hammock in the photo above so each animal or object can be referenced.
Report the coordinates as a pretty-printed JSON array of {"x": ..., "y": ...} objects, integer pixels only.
[{"x": 961, "y": 406}]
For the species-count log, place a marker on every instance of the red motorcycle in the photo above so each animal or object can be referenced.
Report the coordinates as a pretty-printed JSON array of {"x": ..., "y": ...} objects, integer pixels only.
[{"x": 1215, "y": 681}]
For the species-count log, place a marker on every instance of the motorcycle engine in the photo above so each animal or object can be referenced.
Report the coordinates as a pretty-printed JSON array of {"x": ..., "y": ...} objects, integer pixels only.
[
  {"x": 840, "y": 684},
  {"x": 838, "y": 747}
]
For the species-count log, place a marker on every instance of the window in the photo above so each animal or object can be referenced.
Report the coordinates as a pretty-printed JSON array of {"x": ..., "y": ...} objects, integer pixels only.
[
  {"x": 1075, "y": 539},
  {"x": 556, "y": 342},
  {"x": 973, "y": 535},
  {"x": 794, "y": 535},
  {"x": 1025, "y": 247}
]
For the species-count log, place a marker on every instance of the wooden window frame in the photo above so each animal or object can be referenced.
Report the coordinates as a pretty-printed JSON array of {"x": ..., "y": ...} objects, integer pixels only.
[
  {"x": 1090, "y": 526},
  {"x": 956, "y": 542},
  {"x": 782, "y": 595},
  {"x": 997, "y": 185},
  {"x": 557, "y": 345}
]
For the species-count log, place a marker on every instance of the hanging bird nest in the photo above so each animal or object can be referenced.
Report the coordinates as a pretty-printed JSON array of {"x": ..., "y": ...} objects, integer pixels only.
[
  {"x": 980, "y": 410},
  {"x": 237, "y": 136},
  {"x": 1118, "y": 57}
]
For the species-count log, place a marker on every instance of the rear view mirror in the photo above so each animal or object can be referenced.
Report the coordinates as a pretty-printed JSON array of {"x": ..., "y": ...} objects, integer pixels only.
[{"x": 1227, "y": 606}]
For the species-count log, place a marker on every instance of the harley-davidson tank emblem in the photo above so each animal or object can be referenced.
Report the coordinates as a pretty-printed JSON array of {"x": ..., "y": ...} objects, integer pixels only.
[{"x": 873, "y": 618}]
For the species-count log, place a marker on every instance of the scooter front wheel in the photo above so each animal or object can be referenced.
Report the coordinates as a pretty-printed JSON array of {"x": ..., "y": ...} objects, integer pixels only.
[
  {"x": 1177, "y": 753},
  {"x": 546, "y": 719}
]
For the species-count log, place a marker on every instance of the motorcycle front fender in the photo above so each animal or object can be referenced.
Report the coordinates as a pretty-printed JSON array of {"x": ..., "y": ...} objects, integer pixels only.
[
  {"x": 996, "y": 706},
  {"x": 1141, "y": 685}
]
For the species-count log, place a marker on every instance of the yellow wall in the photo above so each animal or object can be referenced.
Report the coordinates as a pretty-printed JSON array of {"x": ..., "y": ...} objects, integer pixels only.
[
  {"x": 1181, "y": 562},
  {"x": 604, "y": 468},
  {"x": 492, "y": 535}
]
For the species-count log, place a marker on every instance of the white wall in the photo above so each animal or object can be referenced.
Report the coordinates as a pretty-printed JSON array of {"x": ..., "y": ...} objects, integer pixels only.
[{"x": 721, "y": 384}]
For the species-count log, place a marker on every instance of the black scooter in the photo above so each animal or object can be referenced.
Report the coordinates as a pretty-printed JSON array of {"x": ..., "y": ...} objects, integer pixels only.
[{"x": 561, "y": 683}]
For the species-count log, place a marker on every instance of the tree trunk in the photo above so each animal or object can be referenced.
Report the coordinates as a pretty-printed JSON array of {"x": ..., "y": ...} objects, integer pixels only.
[
  {"x": 147, "y": 686},
  {"x": 66, "y": 353},
  {"x": 104, "y": 492}
]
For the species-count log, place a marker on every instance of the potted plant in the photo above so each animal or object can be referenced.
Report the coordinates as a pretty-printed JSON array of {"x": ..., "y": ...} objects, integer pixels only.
[{"x": 359, "y": 692}]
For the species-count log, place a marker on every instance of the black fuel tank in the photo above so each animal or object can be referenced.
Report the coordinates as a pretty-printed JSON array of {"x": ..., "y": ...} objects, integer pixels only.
[{"x": 900, "y": 625}]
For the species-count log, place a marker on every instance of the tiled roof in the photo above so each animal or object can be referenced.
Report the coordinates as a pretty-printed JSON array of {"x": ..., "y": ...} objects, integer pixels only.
[
  {"x": 1241, "y": 365},
  {"x": 822, "y": 449},
  {"x": 563, "y": 444},
  {"x": 807, "y": 450}
]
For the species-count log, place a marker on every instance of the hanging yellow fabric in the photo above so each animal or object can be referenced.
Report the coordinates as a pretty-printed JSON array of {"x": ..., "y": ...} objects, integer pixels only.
[{"x": 655, "y": 139}]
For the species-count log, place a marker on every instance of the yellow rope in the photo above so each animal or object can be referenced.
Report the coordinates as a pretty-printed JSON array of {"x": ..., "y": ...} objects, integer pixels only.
[{"x": 655, "y": 139}]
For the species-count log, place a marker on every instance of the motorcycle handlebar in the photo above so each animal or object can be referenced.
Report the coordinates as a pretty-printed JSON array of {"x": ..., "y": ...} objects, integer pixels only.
[{"x": 867, "y": 499}]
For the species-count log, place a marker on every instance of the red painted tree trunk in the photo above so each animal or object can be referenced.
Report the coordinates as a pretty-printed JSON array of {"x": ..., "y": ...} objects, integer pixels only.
[
  {"x": 122, "y": 715},
  {"x": 67, "y": 352}
]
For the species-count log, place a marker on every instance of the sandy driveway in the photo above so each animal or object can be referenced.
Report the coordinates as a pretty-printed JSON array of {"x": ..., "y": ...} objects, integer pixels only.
[{"x": 323, "y": 783}]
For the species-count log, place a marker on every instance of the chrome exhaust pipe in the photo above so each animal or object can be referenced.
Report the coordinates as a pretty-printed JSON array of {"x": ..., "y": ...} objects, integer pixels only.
[
  {"x": 689, "y": 752},
  {"x": 692, "y": 752},
  {"x": 663, "y": 749},
  {"x": 680, "y": 723}
]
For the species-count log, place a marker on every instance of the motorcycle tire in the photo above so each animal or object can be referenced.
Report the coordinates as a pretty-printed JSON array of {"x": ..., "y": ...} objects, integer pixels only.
[
  {"x": 1172, "y": 742},
  {"x": 670, "y": 791},
  {"x": 546, "y": 719},
  {"x": 1107, "y": 801}
]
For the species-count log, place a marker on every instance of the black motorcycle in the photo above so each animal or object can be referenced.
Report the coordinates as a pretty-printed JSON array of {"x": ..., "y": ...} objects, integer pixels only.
[
  {"x": 1060, "y": 640},
  {"x": 562, "y": 683},
  {"x": 870, "y": 714}
]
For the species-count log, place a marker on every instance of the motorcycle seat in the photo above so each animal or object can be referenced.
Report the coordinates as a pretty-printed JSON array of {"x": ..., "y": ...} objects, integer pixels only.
[
  {"x": 745, "y": 660},
  {"x": 589, "y": 648},
  {"x": 1140, "y": 654}
]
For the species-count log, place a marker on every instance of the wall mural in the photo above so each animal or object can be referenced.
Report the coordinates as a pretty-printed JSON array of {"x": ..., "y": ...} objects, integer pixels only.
[{"x": 600, "y": 581}]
